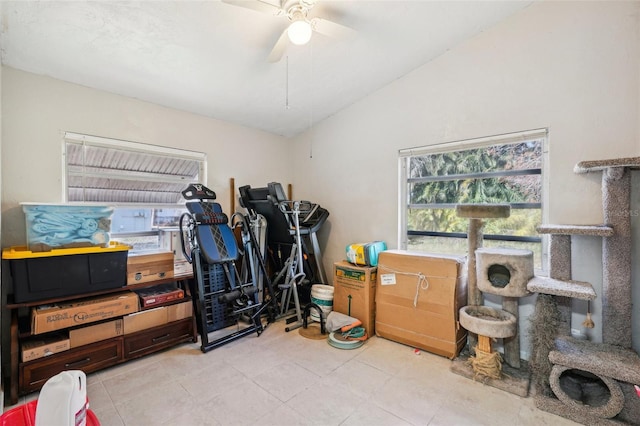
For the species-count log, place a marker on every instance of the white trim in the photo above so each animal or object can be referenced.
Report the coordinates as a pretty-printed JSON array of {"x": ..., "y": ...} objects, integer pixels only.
[
  {"x": 134, "y": 146},
  {"x": 474, "y": 143},
  {"x": 63, "y": 180},
  {"x": 545, "y": 203},
  {"x": 402, "y": 203}
]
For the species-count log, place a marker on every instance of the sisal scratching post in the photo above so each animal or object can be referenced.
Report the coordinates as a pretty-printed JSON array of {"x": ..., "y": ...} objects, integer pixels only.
[
  {"x": 487, "y": 323},
  {"x": 486, "y": 363}
]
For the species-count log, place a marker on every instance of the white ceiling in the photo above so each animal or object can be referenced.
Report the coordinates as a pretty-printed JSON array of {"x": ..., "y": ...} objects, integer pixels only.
[{"x": 210, "y": 58}]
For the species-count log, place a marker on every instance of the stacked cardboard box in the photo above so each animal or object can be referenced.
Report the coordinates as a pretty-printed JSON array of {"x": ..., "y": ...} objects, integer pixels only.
[
  {"x": 45, "y": 346},
  {"x": 418, "y": 296},
  {"x": 95, "y": 333},
  {"x": 157, "y": 316},
  {"x": 146, "y": 267},
  {"x": 62, "y": 315}
]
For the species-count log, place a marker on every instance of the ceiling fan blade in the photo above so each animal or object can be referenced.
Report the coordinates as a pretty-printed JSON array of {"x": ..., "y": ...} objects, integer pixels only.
[
  {"x": 332, "y": 29},
  {"x": 260, "y": 6},
  {"x": 279, "y": 48}
]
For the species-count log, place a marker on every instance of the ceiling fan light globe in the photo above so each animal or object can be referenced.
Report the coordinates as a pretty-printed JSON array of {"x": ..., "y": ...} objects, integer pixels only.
[{"x": 299, "y": 32}]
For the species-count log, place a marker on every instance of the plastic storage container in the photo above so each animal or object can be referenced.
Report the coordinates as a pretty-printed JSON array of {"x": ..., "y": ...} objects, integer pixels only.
[
  {"x": 52, "y": 226},
  {"x": 65, "y": 272}
]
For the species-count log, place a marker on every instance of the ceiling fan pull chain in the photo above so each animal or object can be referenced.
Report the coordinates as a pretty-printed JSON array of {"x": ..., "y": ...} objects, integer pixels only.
[
  {"x": 311, "y": 131},
  {"x": 286, "y": 101}
]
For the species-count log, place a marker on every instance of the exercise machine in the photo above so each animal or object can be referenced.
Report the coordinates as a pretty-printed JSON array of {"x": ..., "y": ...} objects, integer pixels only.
[
  {"x": 292, "y": 228},
  {"x": 224, "y": 299}
]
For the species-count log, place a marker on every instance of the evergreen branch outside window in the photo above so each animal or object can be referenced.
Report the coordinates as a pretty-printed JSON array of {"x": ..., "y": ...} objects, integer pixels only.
[{"x": 495, "y": 170}]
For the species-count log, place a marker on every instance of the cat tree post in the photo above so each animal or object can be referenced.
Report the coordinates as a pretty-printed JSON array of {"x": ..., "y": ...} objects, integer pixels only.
[
  {"x": 616, "y": 254},
  {"x": 560, "y": 269}
]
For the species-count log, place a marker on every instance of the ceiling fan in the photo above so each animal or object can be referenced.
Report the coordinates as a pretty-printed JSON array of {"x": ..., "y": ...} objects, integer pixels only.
[{"x": 301, "y": 27}]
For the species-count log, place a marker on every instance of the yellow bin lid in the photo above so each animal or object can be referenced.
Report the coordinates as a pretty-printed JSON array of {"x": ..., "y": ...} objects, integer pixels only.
[{"x": 22, "y": 252}]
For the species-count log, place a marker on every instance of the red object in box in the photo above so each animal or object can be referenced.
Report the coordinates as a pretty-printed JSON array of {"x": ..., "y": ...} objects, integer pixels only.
[
  {"x": 25, "y": 415},
  {"x": 157, "y": 295}
]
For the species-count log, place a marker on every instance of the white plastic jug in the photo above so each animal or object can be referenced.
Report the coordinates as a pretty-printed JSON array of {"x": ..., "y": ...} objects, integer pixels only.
[{"x": 63, "y": 400}]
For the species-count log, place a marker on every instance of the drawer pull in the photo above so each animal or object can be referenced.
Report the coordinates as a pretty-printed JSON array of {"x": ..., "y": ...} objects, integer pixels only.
[
  {"x": 159, "y": 338},
  {"x": 76, "y": 363}
]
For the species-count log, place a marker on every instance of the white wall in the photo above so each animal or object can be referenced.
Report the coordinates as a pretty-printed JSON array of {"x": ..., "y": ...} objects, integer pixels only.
[
  {"x": 37, "y": 111},
  {"x": 571, "y": 67}
]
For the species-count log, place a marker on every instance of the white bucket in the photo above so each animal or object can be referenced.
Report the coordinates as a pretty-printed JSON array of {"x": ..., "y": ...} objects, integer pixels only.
[{"x": 321, "y": 295}]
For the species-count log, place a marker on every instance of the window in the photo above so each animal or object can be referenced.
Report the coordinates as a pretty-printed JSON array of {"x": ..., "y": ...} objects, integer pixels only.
[
  {"x": 143, "y": 182},
  {"x": 501, "y": 169}
]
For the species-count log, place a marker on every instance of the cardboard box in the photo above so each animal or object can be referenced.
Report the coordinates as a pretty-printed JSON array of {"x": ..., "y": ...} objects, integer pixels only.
[
  {"x": 95, "y": 333},
  {"x": 145, "y": 267},
  {"x": 145, "y": 319},
  {"x": 45, "y": 346},
  {"x": 418, "y": 296},
  {"x": 179, "y": 311},
  {"x": 157, "y": 316},
  {"x": 62, "y": 315},
  {"x": 354, "y": 289}
]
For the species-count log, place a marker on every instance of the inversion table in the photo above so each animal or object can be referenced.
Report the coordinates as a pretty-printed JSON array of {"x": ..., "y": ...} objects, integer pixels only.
[{"x": 222, "y": 299}]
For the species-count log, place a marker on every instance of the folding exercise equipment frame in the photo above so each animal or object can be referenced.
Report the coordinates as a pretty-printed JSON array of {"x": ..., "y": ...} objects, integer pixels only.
[
  {"x": 221, "y": 298},
  {"x": 288, "y": 221},
  {"x": 272, "y": 203}
]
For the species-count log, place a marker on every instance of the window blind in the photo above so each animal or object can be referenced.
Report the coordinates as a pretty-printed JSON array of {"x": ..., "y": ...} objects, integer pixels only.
[{"x": 114, "y": 171}]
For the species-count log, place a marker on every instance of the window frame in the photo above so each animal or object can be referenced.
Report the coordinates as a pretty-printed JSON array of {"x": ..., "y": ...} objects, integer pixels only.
[
  {"x": 404, "y": 181},
  {"x": 132, "y": 147}
]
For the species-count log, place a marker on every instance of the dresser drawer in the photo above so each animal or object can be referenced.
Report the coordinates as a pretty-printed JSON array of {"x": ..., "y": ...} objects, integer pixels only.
[
  {"x": 156, "y": 338},
  {"x": 87, "y": 358}
]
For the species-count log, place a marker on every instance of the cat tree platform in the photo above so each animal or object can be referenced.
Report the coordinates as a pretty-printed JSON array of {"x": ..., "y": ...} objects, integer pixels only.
[
  {"x": 590, "y": 230},
  {"x": 599, "y": 165},
  {"x": 571, "y": 288}
]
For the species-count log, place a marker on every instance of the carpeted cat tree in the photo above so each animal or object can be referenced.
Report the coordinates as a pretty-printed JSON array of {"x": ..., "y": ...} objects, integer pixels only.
[{"x": 589, "y": 382}]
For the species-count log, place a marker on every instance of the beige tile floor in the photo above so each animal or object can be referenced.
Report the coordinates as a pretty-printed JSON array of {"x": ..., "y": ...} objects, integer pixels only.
[{"x": 284, "y": 379}]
